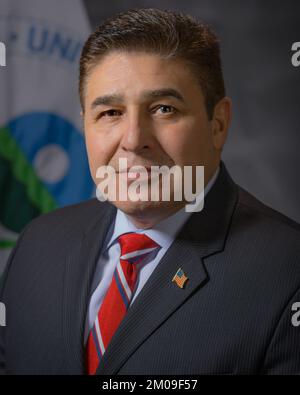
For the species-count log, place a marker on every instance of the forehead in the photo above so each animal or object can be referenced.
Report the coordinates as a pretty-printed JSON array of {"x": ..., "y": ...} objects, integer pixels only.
[{"x": 132, "y": 72}]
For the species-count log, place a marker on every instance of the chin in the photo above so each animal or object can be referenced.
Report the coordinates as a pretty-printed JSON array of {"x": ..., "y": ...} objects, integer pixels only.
[
  {"x": 139, "y": 208},
  {"x": 148, "y": 212}
]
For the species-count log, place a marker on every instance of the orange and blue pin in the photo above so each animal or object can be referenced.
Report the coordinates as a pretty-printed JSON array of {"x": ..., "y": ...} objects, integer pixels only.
[{"x": 180, "y": 278}]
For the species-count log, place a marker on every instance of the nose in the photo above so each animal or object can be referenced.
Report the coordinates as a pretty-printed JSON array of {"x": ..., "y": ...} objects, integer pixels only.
[{"x": 136, "y": 135}]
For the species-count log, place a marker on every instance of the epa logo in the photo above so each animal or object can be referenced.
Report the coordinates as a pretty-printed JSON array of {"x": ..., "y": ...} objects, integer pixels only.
[{"x": 2, "y": 54}]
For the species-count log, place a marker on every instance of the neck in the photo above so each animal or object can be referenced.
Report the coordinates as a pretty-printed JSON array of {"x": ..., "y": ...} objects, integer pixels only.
[{"x": 149, "y": 218}]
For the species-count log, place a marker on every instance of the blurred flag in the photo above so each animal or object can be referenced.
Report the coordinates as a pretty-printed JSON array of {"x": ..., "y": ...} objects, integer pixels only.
[{"x": 43, "y": 162}]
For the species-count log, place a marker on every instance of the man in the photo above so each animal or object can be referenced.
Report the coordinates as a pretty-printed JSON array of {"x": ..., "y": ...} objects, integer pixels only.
[{"x": 145, "y": 287}]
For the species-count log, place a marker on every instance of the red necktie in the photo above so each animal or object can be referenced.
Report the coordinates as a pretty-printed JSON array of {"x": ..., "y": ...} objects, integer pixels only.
[{"x": 134, "y": 248}]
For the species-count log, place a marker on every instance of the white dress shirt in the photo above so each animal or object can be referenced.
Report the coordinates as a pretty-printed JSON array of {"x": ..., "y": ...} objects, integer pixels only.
[{"x": 162, "y": 233}]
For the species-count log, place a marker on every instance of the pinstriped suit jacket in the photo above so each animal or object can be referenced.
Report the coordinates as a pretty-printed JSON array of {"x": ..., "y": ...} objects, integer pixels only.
[{"x": 234, "y": 315}]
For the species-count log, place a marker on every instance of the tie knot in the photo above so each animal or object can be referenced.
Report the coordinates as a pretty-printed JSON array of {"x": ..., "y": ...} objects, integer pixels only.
[{"x": 134, "y": 246}]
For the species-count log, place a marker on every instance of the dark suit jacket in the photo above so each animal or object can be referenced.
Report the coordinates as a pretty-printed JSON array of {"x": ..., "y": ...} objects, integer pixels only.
[{"x": 233, "y": 316}]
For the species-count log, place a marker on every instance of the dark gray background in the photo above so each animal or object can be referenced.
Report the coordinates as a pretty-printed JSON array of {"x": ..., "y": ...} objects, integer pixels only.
[{"x": 262, "y": 151}]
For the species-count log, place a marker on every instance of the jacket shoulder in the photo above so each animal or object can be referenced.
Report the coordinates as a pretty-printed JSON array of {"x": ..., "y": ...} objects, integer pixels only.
[
  {"x": 70, "y": 219},
  {"x": 255, "y": 207},
  {"x": 268, "y": 234}
]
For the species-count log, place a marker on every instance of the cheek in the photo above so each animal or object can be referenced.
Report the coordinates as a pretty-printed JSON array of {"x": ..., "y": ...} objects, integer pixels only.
[
  {"x": 99, "y": 150},
  {"x": 98, "y": 156},
  {"x": 185, "y": 143}
]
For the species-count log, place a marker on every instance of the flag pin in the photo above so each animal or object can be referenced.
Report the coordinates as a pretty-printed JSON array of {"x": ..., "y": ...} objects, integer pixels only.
[{"x": 180, "y": 278}]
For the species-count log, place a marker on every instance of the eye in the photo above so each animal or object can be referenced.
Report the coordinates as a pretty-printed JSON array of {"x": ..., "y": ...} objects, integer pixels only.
[
  {"x": 109, "y": 113},
  {"x": 166, "y": 109}
]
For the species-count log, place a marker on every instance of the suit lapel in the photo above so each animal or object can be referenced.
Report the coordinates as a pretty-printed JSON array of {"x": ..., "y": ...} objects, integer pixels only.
[
  {"x": 79, "y": 271},
  {"x": 204, "y": 234}
]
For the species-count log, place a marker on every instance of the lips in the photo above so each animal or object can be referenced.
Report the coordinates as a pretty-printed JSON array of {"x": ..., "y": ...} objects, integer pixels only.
[
  {"x": 137, "y": 172},
  {"x": 136, "y": 168}
]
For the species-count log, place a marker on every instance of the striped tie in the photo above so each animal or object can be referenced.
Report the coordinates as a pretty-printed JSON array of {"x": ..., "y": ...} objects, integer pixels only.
[{"x": 134, "y": 248}]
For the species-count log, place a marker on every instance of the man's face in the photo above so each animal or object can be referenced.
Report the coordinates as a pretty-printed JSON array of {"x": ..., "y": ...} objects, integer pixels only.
[{"x": 150, "y": 111}]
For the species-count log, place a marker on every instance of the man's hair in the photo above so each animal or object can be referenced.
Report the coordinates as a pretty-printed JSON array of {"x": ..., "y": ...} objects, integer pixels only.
[{"x": 165, "y": 33}]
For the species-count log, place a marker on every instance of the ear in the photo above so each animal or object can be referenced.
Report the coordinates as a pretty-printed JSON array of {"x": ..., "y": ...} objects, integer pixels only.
[{"x": 220, "y": 122}]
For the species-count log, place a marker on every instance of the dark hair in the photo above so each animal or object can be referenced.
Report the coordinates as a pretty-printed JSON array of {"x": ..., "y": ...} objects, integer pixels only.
[{"x": 165, "y": 33}]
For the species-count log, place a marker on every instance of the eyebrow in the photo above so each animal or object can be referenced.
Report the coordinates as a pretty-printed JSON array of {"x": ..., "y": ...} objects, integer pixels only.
[{"x": 149, "y": 94}]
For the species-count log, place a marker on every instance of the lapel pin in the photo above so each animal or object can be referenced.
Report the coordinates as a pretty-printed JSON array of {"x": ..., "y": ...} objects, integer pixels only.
[{"x": 180, "y": 278}]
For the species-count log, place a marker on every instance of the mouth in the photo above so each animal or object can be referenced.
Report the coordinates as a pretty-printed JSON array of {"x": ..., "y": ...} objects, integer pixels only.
[
  {"x": 137, "y": 168},
  {"x": 137, "y": 172}
]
